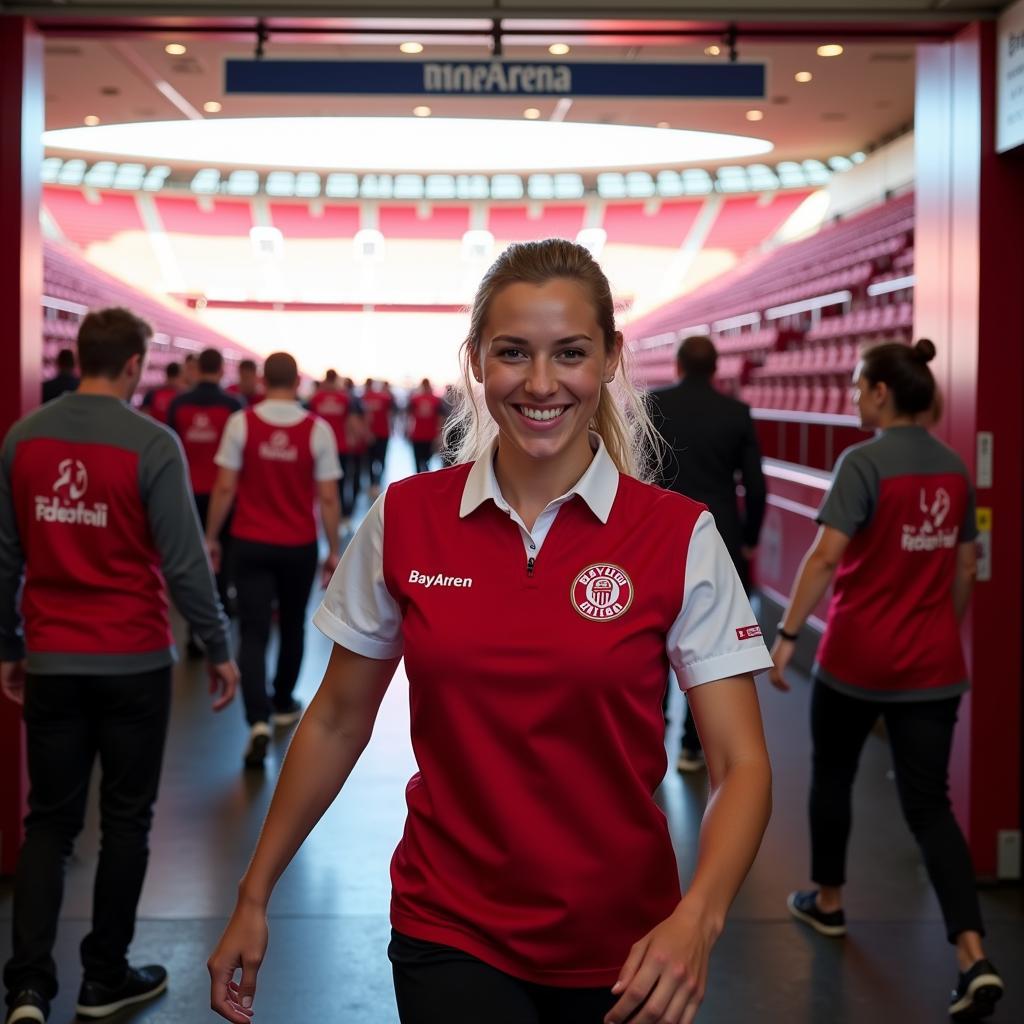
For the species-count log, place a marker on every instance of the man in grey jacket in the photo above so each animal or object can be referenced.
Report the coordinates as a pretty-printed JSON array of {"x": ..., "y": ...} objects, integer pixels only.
[{"x": 96, "y": 526}]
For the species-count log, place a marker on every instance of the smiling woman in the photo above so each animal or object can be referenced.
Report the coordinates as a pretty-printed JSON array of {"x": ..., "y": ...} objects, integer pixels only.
[{"x": 405, "y": 144}]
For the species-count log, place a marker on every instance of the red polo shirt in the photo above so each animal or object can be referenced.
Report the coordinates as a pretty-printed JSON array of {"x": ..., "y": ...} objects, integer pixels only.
[{"x": 537, "y": 662}]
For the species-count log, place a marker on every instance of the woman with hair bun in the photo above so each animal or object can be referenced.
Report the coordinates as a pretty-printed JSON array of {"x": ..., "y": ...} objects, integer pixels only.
[
  {"x": 539, "y": 591},
  {"x": 897, "y": 540}
]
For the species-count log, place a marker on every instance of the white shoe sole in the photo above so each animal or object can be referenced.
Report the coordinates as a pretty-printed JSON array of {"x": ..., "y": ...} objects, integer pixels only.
[
  {"x": 833, "y": 931},
  {"x": 286, "y": 719},
  {"x": 975, "y": 996},
  {"x": 690, "y": 767},
  {"x": 95, "y": 1012},
  {"x": 26, "y": 1013}
]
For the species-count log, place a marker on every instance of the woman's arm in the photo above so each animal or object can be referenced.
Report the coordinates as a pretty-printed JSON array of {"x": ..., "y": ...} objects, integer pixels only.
[
  {"x": 332, "y": 734},
  {"x": 812, "y": 580},
  {"x": 666, "y": 972},
  {"x": 966, "y": 573}
]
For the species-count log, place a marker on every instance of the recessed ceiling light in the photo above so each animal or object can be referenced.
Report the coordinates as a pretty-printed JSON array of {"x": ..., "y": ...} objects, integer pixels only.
[
  {"x": 558, "y": 49},
  {"x": 531, "y": 113},
  {"x": 663, "y": 124},
  {"x": 803, "y": 76},
  {"x": 830, "y": 50},
  {"x": 712, "y": 51},
  {"x": 421, "y": 111},
  {"x": 175, "y": 49},
  {"x": 212, "y": 107},
  {"x": 755, "y": 115},
  {"x": 411, "y": 47},
  {"x": 91, "y": 120}
]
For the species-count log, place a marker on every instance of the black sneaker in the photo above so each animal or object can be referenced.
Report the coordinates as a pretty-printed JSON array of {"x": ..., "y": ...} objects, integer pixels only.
[
  {"x": 140, "y": 983},
  {"x": 28, "y": 1005},
  {"x": 287, "y": 715},
  {"x": 256, "y": 748},
  {"x": 977, "y": 992},
  {"x": 804, "y": 907}
]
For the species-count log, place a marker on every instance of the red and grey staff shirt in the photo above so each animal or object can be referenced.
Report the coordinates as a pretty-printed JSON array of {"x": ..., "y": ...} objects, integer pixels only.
[
  {"x": 199, "y": 417},
  {"x": 280, "y": 452},
  {"x": 95, "y": 516},
  {"x": 905, "y": 501},
  {"x": 378, "y": 405},
  {"x": 537, "y": 661},
  {"x": 425, "y": 411},
  {"x": 336, "y": 406},
  {"x": 157, "y": 401}
]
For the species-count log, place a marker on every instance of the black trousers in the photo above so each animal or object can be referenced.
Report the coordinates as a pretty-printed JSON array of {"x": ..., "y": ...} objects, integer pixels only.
[
  {"x": 436, "y": 983},
  {"x": 377, "y": 457},
  {"x": 421, "y": 452},
  {"x": 266, "y": 574},
  {"x": 349, "y": 485},
  {"x": 225, "y": 585},
  {"x": 921, "y": 735},
  {"x": 70, "y": 720}
]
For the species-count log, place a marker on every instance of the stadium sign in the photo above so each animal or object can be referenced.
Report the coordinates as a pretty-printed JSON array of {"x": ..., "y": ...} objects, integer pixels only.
[{"x": 496, "y": 78}]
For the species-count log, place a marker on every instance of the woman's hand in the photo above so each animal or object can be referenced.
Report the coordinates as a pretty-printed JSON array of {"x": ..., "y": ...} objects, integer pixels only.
[
  {"x": 782, "y": 654},
  {"x": 242, "y": 947},
  {"x": 665, "y": 974}
]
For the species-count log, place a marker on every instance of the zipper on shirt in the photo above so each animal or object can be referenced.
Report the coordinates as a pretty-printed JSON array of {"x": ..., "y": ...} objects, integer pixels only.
[{"x": 530, "y": 563}]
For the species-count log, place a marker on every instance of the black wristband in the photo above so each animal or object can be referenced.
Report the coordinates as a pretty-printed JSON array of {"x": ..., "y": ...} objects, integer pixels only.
[{"x": 791, "y": 637}]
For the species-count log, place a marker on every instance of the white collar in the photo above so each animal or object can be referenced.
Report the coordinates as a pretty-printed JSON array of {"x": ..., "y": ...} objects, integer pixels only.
[{"x": 597, "y": 487}]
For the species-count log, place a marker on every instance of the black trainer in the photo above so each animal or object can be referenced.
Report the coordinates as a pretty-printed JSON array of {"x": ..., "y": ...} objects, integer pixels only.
[
  {"x": 28, "y": 1005},
  {"x": 140, "y": 983},
  {"x": 804, "y": 907},
  {"x": 977, "y": 992}
]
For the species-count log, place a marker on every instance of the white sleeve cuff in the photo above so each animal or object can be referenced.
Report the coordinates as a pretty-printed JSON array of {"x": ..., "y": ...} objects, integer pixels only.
[
  {"x": 722, "y": 666},
  {"x": 342, "y": 633}
]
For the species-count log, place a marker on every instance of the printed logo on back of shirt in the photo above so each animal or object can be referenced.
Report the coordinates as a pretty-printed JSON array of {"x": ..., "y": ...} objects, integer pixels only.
[
  {"x": 929, "y": 535},
  {"x": 602, "y": 592},
  {"x": 279, "y": 448},
  {"x": 201, "y": 430},
  {"x": 64, "y": 504}
]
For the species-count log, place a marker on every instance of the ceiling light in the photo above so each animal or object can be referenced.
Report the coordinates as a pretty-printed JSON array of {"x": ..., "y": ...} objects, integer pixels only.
[
  {"x": 91, "y": 120},
  {"x": 421, "y": 111},
  {"x": 712, "y": 51},
  {"x": 411, "y": 47},
  {"x": 830, "y": 50},
  {"x": 531, "y": 113},
  {"x": 663, "y": 124},
  {"x": 755, "y": 115},
  {"x": 558, "y": 49},
  {"x": 803, "y": 76},
  {"x": 175, "y": 49},
  {"x": 212, "y": 107}
]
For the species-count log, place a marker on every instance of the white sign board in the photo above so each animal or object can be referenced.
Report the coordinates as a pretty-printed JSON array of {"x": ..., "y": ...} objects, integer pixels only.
[{"x": 1010, "y": 79}]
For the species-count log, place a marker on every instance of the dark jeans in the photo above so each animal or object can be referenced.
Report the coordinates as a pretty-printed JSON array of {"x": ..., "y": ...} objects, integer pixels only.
[
  {"x": 920, "y": 735},
  {"x": 436, "y": 983},
  {"x": 377, "y": 456},
  {"x": 349, "y": 484},
  {"x": 265, "y": 574},
  {"x": 70, "y": 720},
  {"x": 225, "y": 585},
  {"x": 421, "y": 452},
  {"x": 690, "y": 739}
]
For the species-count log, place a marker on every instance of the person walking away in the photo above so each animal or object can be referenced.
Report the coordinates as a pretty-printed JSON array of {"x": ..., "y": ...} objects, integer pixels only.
[
  {"x": 538, "y": 591},
  {"x": 336, "y": 404},
  {"x": 65, "y": 380},
  {"x": 426, "y": 415},
  {"x": 710, "y": 440},
  {"x": 96, "y": 524},
  {"x": 379, "y": 408},
  {"x": 277, "y": 462},
  {"x": 248, "y": 386},
  {"x": 198, "y": 417},
  {"x": 157, "y": 401},
  {"x": 897, "y": 542}
]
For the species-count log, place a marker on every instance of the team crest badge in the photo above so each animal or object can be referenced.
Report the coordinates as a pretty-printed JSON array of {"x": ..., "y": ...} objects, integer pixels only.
[{"x": 602, "y": 592}]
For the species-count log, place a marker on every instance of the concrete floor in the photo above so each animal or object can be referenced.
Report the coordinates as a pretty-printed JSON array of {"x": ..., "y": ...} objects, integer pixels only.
[{"x": 329, "y": 926}]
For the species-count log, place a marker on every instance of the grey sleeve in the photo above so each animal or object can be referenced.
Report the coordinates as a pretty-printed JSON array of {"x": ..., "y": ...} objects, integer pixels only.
[
  {"x": 12, "y": 564},
  {"x": 174, "y": 523},
  {"x": 969, "y": 527},
  {"x": 850, "y": 502}
]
